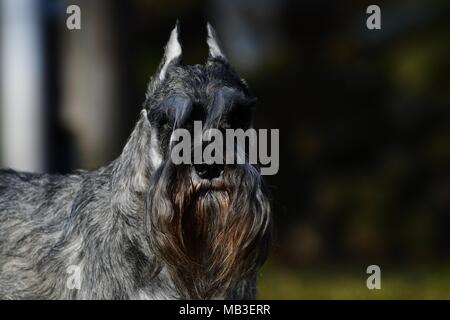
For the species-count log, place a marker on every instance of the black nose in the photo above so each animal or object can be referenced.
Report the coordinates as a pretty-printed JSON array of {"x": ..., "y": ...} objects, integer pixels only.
[{"x": 209, "y": 171}]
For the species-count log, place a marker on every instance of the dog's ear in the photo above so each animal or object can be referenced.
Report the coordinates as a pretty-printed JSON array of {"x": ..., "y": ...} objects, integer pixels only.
[
  {"x": 172, "y": 52},
  {"x": 215, "y": 51},
  {"x": 172, "y": 57}
]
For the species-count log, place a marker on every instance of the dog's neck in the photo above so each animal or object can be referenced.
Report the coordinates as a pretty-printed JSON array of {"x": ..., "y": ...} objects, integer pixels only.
[{"x": 131, "y": 173}]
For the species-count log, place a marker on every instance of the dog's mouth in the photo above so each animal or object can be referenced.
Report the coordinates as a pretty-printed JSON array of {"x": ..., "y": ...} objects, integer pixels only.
[{"x": 205, "y": 185}]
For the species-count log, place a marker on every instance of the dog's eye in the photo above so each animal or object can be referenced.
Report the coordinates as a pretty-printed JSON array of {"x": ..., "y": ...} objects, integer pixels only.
[
  {"x": 164, "y": 122},
  {"x": 240, "y": 117},
  {"x": 198, "y": 113},
  {"x": 167, "y": 126}
]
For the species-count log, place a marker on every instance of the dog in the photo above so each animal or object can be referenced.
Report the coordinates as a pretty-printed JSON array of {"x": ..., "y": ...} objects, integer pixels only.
[{"x": 143, "y": 227}]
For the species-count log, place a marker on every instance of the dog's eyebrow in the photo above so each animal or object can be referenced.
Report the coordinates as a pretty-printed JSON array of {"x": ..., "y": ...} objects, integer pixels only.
[
  {"x": 224, "y": 100},
  {"x": 178, "y": 108}
]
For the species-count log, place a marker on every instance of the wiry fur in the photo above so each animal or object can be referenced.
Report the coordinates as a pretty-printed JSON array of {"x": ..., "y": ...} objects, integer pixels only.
[{"x": 142, "y": 227}]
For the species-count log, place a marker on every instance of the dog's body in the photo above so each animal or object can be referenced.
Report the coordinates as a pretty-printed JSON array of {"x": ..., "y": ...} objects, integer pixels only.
[{"x": 142, "y": 227}]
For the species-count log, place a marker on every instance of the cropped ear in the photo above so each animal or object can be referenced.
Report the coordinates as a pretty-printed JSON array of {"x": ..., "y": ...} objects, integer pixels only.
[
  {"x": 172, "y": 52},
  {"x": 215, "y": 51},
  {"x": 172, "y": 56}
]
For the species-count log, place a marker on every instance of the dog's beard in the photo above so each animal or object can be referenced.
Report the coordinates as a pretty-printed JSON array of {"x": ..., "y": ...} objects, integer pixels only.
[{"x": 209, "y": 234}]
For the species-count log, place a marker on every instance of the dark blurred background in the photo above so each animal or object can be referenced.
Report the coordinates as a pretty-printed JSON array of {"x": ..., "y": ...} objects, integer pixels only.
[{"x": 363, "y": 116}]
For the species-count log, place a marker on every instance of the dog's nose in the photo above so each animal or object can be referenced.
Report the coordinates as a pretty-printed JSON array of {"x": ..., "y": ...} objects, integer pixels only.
[{"x": 209, "y": 171}]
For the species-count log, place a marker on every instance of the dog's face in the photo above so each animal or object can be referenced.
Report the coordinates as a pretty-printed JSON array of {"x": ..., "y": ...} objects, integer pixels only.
[{"x": 209, "y": 224}]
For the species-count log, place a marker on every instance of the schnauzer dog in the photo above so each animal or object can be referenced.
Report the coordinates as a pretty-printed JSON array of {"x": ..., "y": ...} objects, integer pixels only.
[{"x": 143, "y": 227}]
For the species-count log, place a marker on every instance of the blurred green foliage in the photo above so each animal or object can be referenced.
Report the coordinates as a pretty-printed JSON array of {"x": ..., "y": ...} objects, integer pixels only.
[{"x": 348, "y": 283}]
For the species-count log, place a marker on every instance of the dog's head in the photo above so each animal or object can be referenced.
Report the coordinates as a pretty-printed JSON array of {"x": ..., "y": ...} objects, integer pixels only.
[{"x": 208, "y": 223}]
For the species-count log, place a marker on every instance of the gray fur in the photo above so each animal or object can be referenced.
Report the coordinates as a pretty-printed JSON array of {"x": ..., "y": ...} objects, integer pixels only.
[{"x": 106, "y": 221}]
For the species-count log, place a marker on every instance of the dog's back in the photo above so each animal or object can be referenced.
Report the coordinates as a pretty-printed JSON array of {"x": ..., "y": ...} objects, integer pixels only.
[{"x": 33, "y": 211}]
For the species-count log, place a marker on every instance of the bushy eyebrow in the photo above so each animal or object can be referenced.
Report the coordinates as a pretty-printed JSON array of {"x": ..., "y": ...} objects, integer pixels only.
[
  {"x": 177, "y": 108},
  {"x": 223, "y": 101}
]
